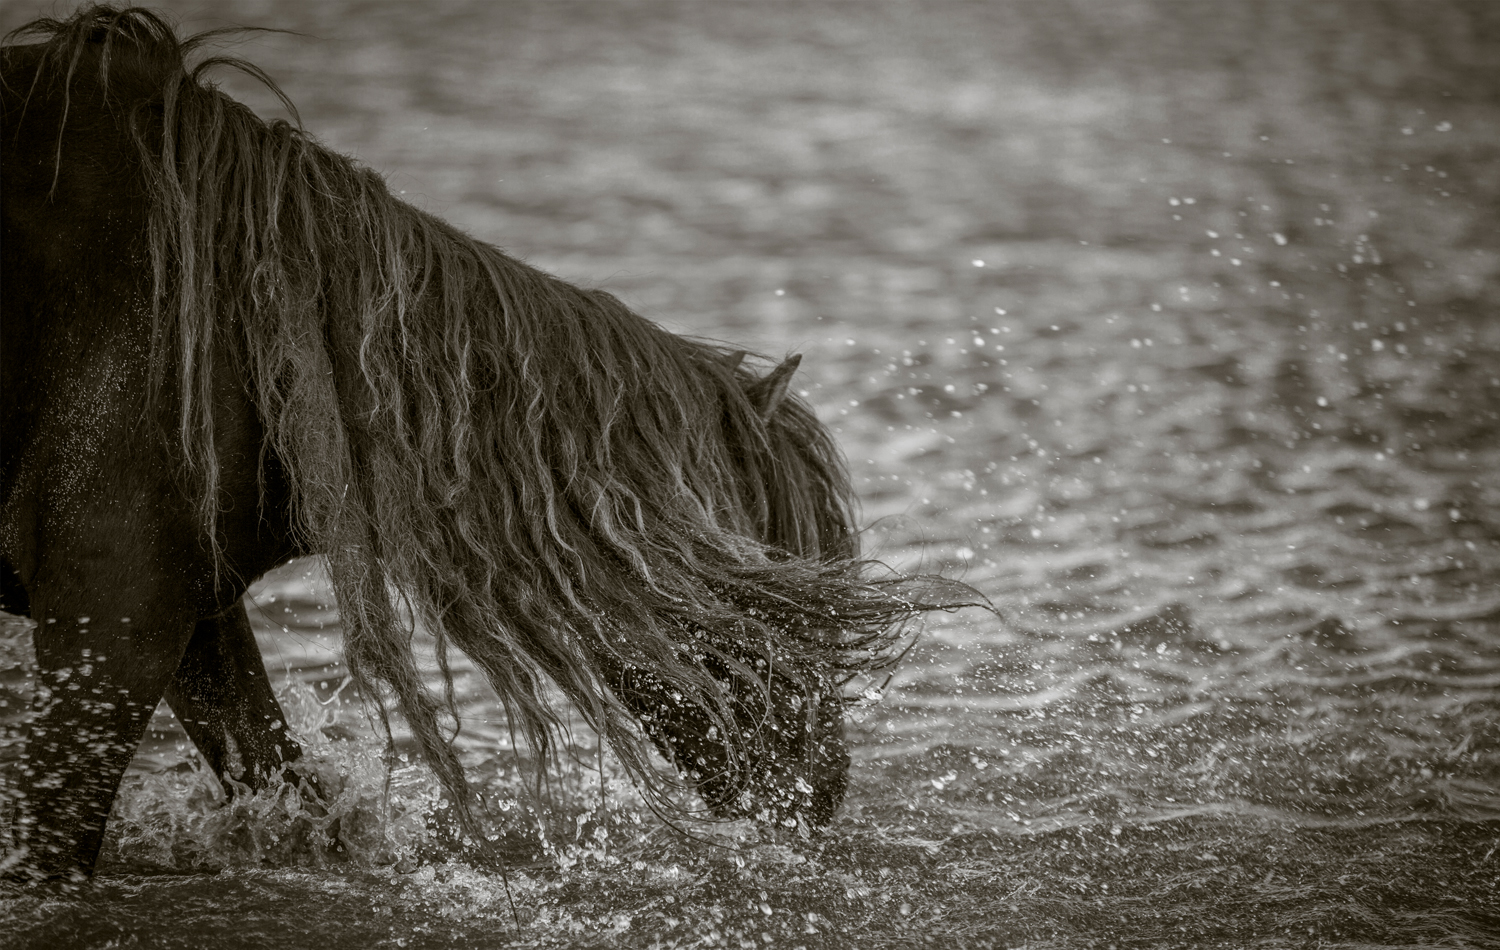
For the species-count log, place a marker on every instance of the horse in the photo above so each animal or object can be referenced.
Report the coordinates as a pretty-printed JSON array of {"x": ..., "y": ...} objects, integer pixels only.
[{"x": 226, "y": 345}]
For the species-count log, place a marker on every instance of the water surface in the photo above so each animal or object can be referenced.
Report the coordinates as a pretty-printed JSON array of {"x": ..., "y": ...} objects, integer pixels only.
[{"x": 1166, "y": 327}]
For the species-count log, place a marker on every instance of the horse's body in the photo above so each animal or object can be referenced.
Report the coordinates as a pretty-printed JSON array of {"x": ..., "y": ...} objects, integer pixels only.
[{"x": 225, "y": 346}]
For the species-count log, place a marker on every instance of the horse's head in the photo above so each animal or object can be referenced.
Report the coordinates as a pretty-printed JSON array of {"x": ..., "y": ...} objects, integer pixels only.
[{"x": 789, "y": 765}]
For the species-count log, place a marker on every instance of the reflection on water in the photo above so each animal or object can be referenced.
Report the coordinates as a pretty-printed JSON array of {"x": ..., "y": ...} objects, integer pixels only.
[{"x": 1187, "y": 365}]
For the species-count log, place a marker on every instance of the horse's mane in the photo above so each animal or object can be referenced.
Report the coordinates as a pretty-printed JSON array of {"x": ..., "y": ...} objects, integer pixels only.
[{"x": 526, "y": 469}]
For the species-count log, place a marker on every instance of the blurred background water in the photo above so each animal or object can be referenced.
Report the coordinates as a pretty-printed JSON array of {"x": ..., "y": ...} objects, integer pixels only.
[{"x": 1166, "y": 325}]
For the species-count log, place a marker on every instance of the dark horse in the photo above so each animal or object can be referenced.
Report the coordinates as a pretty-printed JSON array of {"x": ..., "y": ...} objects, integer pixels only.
[{"x": 226, "y": 346}]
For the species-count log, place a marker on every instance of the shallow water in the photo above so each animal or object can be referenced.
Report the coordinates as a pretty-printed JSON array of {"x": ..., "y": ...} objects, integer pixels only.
[{"x": 1168, "y": 331}]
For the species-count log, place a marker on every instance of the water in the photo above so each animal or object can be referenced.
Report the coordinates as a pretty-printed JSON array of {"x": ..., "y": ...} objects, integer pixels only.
[{"x": 1165, "y": 327}]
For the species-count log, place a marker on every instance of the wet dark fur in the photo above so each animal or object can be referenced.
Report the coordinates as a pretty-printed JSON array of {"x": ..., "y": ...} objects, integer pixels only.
[{"x": 226, "y": 345}]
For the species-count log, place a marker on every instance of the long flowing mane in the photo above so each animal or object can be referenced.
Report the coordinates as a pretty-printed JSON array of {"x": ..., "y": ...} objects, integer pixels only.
[{"x": 527, "y": 470}]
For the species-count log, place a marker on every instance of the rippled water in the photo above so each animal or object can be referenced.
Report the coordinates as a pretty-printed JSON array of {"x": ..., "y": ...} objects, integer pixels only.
[{"x": 1188, "y": 366}]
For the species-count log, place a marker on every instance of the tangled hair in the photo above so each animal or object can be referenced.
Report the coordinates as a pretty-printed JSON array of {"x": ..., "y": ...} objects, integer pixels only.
[{"x": 529, "y": 471}]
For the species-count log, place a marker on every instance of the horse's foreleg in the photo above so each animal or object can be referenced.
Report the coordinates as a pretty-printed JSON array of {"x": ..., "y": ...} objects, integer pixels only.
[
  {"x": 103, "y": 662},
  {"x": 223, "y": 698},
  {"x": 13, "y": 597}
]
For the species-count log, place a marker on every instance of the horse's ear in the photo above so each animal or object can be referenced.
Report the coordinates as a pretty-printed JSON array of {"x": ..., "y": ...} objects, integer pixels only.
[
  {"x": 766, "y": 394},
  {"x": 733, "y": 360}
]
